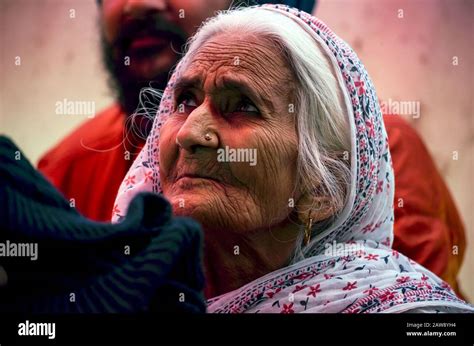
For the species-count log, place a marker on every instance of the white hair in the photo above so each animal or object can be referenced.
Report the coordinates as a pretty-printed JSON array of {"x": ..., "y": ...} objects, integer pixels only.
[{"x": 322, "y": 124}]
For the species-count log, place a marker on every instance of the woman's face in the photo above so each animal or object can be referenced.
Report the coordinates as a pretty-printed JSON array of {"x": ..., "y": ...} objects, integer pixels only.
[{"x": 237, "y": 92}]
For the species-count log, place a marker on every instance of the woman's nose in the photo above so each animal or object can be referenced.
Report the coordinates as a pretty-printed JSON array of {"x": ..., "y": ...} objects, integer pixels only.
[{"x": 198, "y": 130}]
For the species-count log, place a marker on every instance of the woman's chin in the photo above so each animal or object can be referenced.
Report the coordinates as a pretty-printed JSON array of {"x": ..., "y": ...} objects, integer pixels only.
[
  {"x": 193, "y": 205},
  {"x": 196, "y": 198},
  {"x": 210, "y": 215}
]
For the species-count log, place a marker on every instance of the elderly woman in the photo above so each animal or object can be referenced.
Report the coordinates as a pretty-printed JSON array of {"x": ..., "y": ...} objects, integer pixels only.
[{"x": 270, "y": 135}]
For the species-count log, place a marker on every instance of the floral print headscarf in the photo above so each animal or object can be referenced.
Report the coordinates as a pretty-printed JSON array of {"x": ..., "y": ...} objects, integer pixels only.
[{"x": 370, "y": 277}]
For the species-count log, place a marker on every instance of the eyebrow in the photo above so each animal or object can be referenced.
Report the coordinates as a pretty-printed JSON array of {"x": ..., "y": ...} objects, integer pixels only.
[
  {"x": 188, "y": 83},
  {"x": 225, "y": 82}
]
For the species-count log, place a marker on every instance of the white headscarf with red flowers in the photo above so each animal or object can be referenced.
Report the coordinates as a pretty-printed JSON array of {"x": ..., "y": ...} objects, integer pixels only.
[{"x": 368, "y": 276}]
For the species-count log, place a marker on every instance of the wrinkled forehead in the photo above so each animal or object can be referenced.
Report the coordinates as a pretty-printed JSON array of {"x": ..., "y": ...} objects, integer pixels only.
[{"x": 257, "y": 59}]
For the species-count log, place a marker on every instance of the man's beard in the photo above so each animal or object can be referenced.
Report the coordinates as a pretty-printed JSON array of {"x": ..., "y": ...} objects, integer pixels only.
[{"x": 122, "y": 81}]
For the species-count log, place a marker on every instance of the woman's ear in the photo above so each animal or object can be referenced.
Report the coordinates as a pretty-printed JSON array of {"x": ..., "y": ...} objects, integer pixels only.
[{"x": 318, "y": 208}]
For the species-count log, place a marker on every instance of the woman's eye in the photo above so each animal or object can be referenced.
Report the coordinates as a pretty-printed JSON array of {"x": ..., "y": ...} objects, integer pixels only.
[
  {"x": 246, "y": 106},
  {"x": 185, "y": 102}
]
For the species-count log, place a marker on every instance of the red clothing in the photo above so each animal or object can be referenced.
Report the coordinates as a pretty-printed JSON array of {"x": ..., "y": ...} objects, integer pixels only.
[
  {"x": 90, "y": 163},
  {"x": 427, "y": 224},
  {"x": 426, "y": 227}
]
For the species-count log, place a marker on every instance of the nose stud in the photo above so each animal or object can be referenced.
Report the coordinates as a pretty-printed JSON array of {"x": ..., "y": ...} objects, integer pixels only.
[{"x": 207, "y": 137}]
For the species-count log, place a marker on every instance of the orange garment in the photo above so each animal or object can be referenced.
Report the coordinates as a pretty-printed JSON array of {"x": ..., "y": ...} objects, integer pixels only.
[
  {"x": 90, "y": 163},
  {"x": 427, "y": 227}
]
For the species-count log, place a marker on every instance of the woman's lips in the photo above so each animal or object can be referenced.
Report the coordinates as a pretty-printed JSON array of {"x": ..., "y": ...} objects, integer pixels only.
[
  {"x": 190, "y": 182},
  {"x": 190, "y": 177}
]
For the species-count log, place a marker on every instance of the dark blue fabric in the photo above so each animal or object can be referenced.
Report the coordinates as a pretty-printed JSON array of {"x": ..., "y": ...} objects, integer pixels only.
[{"x": 76, "y": 255}]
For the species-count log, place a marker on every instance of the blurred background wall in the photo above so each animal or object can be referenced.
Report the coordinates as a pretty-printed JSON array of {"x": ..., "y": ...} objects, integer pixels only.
[{"x": 408, "y": 47}]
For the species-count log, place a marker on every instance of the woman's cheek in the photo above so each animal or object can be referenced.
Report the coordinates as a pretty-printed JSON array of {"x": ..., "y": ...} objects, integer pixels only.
[
  {"x": 168, "y": 149},
  {"x": 276, "y": 171}
]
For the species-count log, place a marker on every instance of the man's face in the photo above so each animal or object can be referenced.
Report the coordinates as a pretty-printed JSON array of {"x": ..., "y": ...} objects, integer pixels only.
[{"x": 142, "y": 40}]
